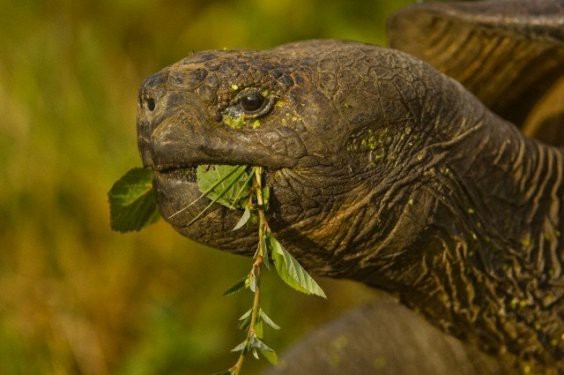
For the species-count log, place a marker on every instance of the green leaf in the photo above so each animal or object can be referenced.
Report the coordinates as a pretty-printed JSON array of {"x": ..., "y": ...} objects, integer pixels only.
[
  {"x": 244, "y": 191},
  {"x": 205, "y": 192},
  {"x": 239, "y": 348},
  {"x": 265, "y": 197},
  {"x": 259, "y": 330},
  {"x": 265, "y": 257},
  {"x": 237, "y": 287},
  {"x": 266, "y": 351},
  {"x": 246, "y": 315},
  {"x": 270, "y": 356},
  {"x": 132, "y": 201},
  {"x": 253, "y": 282},
  {"x": 245, "y": 320},
  {"x": 224, "y": 184},
  {"x": 245, "y": 324},
  {"x": 255, "y": 354},
  {"x": 265, "y": 318},
  {"x": 218, "y": 196},
  {"x": 243, "y": 220},
  {"x": 290, "y": 271}
]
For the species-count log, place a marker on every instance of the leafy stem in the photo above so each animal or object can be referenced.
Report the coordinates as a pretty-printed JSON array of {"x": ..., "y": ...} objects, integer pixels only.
[
  {"x": 255, "y": 311},
  {"x": 133, "y": 205},
  {"x": 258, "y": 262}
]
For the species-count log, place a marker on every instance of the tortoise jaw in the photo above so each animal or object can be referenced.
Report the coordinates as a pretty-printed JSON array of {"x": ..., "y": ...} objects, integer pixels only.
[
  {"x": 180, "y": 201},
  {"x": 177, "y": 196}
]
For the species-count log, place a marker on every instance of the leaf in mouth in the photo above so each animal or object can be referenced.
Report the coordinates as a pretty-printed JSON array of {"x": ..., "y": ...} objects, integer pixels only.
[
  {"x": 222, "y": 184},
  {"x": 225, "y": 184},
  {"x": 132, "y": 201},
  {"x": 215, "y": 182}
]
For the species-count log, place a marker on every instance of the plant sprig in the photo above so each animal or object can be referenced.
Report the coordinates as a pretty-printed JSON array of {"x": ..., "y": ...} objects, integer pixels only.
[
  {"x": 237, "y": 187},
  {"x": 269, "y": 250},
  {"x": 254, "y": 318}
]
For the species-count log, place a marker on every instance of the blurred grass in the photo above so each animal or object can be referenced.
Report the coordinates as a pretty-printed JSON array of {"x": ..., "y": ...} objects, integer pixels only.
[{"x": 76, "y": 298}]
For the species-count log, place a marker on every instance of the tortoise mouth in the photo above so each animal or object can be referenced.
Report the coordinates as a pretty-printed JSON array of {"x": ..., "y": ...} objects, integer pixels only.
[
  {"x": 185, "y": 173},
  {"x": 178, "y": 195},
  {"x": 192, "y": 214},
  {"x": 181, "y": 198}
]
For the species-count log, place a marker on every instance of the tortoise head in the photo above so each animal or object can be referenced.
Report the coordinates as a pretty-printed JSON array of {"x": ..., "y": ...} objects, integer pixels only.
[
  {"x": 326, "y": 119},
  {"x": 381, "y": 169}
]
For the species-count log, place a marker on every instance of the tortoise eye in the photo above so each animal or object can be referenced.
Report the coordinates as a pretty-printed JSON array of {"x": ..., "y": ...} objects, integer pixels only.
[
  {"x": 252, "y": 102},
  {"x": 151, "y": 104}
]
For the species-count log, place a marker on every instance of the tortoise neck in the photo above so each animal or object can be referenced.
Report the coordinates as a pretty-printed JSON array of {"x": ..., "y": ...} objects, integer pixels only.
[{"x": 485, "y": 264}]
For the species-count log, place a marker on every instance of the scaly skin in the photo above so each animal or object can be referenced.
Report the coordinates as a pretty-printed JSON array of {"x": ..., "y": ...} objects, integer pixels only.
[{"x": 381, "y": 170}]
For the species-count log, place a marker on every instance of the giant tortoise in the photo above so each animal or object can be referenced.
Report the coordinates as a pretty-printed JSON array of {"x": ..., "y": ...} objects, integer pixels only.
[{"x": 432, "y": 170}]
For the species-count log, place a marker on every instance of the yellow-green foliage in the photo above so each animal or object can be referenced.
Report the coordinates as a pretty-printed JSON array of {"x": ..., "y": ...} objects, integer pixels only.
[{"x": 76, "y": 297}]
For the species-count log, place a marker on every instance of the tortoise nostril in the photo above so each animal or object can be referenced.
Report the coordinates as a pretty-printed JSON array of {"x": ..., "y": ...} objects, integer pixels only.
[{"x": 151, "y": 104}]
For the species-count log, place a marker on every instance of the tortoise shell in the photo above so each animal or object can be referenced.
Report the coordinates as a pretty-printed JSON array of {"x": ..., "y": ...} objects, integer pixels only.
[{"x": 508, "y": 53}]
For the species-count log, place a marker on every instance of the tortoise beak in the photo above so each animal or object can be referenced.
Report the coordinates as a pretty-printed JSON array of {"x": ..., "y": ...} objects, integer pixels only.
[
  {"x": 150, "y": 112},
  {"x": 175, "y": 132}
]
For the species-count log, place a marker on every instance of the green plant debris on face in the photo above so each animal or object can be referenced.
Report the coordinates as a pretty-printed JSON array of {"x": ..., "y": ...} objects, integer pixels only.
[
  {"x": 379, "y": 141},
  {"x": 368, "y": 140},
  {"x": 234, "y": 122},
  {"x": 239, "y": 122}
]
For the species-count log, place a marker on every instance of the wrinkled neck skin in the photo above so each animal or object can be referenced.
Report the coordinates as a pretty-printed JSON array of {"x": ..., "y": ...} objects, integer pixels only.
[{"x": 468, "y": 231}]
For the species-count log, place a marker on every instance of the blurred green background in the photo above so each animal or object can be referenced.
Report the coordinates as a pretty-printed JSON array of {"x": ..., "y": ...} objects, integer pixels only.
[{"x": 76, "y": 298}]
